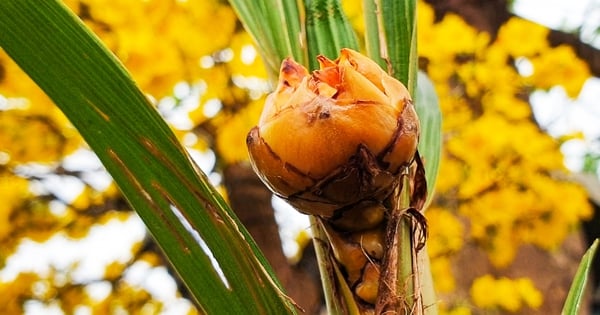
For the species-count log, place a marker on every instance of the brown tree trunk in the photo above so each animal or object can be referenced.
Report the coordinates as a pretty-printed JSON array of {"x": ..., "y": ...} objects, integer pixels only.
[
  {"x": 251, "y": 201},
  {"x": 484, "y": 15}
]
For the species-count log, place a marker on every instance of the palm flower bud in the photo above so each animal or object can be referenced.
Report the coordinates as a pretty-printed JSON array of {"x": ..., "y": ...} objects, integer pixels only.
[{"x": 335, "y": 138}]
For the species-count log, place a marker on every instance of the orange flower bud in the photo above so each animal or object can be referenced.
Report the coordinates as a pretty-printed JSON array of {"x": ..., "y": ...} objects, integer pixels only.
[{"x": 336, "y": 137}]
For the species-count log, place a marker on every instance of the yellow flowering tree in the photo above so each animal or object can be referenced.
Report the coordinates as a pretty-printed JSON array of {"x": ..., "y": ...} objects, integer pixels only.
[{"x": 500, "y": 186}]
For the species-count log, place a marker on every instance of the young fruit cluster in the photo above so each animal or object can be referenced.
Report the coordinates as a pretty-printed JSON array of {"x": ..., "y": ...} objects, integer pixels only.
[{"x": 333, "y": 143}]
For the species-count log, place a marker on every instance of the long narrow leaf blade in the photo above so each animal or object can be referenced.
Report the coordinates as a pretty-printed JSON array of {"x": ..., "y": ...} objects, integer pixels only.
[
  {"x": 430, "y": 142},
  {"x": 390, "y": 37},
  {"x": 327, "y": 30},
  {"x": 575, "y": 296},
  {"x": 373, "y": 37},
  {"x": 338, "y": 297},
  {"x": 275, "y": 26},
  {"x": 211, "y": 251}
]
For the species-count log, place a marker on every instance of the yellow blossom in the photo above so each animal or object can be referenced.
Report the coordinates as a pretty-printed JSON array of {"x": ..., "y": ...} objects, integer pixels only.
[
  {"x": 453, "y": 172},
  {"x": 464, "y": 39},
  {"x": 507, "y": 105},
  {"x": 354, "y": 12},
  {"x": 72, "y": 298},
  {"x": 231, "y": 140},
  {"x": 441, "y": 269},
  {"x": 87, "y": 197},
  {"x": 446, "y": 232},
  {"x": 113, "y": 270},
  {"x": 33, "y": 138},
  {"x": 459, "y": 310},
  {"x": 246, "y": 61},
  {"x": 503, "y": 293},
  {"x": 560, "y": 66},
  {"x": 483, "y": 292},
  {"x": 14, "y": 191},
  {"x": 161, "y": 41},
  {"x": 522, "y": 38},
  {"x": 425, "y": 18},
  {"x": 13, "y": 293},
  {"x": 528, "y": 292}
]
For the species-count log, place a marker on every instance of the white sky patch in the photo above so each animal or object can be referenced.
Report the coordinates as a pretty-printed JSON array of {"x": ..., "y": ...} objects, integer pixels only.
[
  {"x": 175, "y": 110},
  {"x": 57, "y": 208},
  {"x": 98, "y": 290},
  {"x": 256, "y": 86},
  {"x": 524, "y": 66},
  {"x": 156, "y": 279},
  {"x": 98, "y": 179},
  {"x": 91, "y": 254},
  {"x": 212, "y": 107},
  {"x": 590, "y": 96},
  {"x": 66, "y": 188},
  {"x": 189, "y": 139},
  {"x": 205, "y": 159},
  {"x": 82, "y": 159},
  {"x": 553, "y": 13},
  {"x": 215, "y": 178},
  {"x": 560, "y": 115},
  {"x": 4, "y": 158},
  {"x": 202, "y": 244},
  {"x": 251, "y": 83},
  {"x": 36, "y": 307},
  {"x": 206, "y": 62},
  {"x": 33, "y": 169},
  {"x": 178, "y": 118},
  {"x": 13, "y": 103},
  {"x": 248, "y": 54},
  {"x": 82, "y": 310},
  {"x": 291, "y": 223},
  {"x": 564, "y": 15},
  {"x": 182, "y": 90},
  {"x": 225, "y": 55},
  {"x": 573, "y": 151}
]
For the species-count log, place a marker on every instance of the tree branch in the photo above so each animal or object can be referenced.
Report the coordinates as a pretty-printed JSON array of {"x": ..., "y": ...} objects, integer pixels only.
[{"x": 586, "y": 52}]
